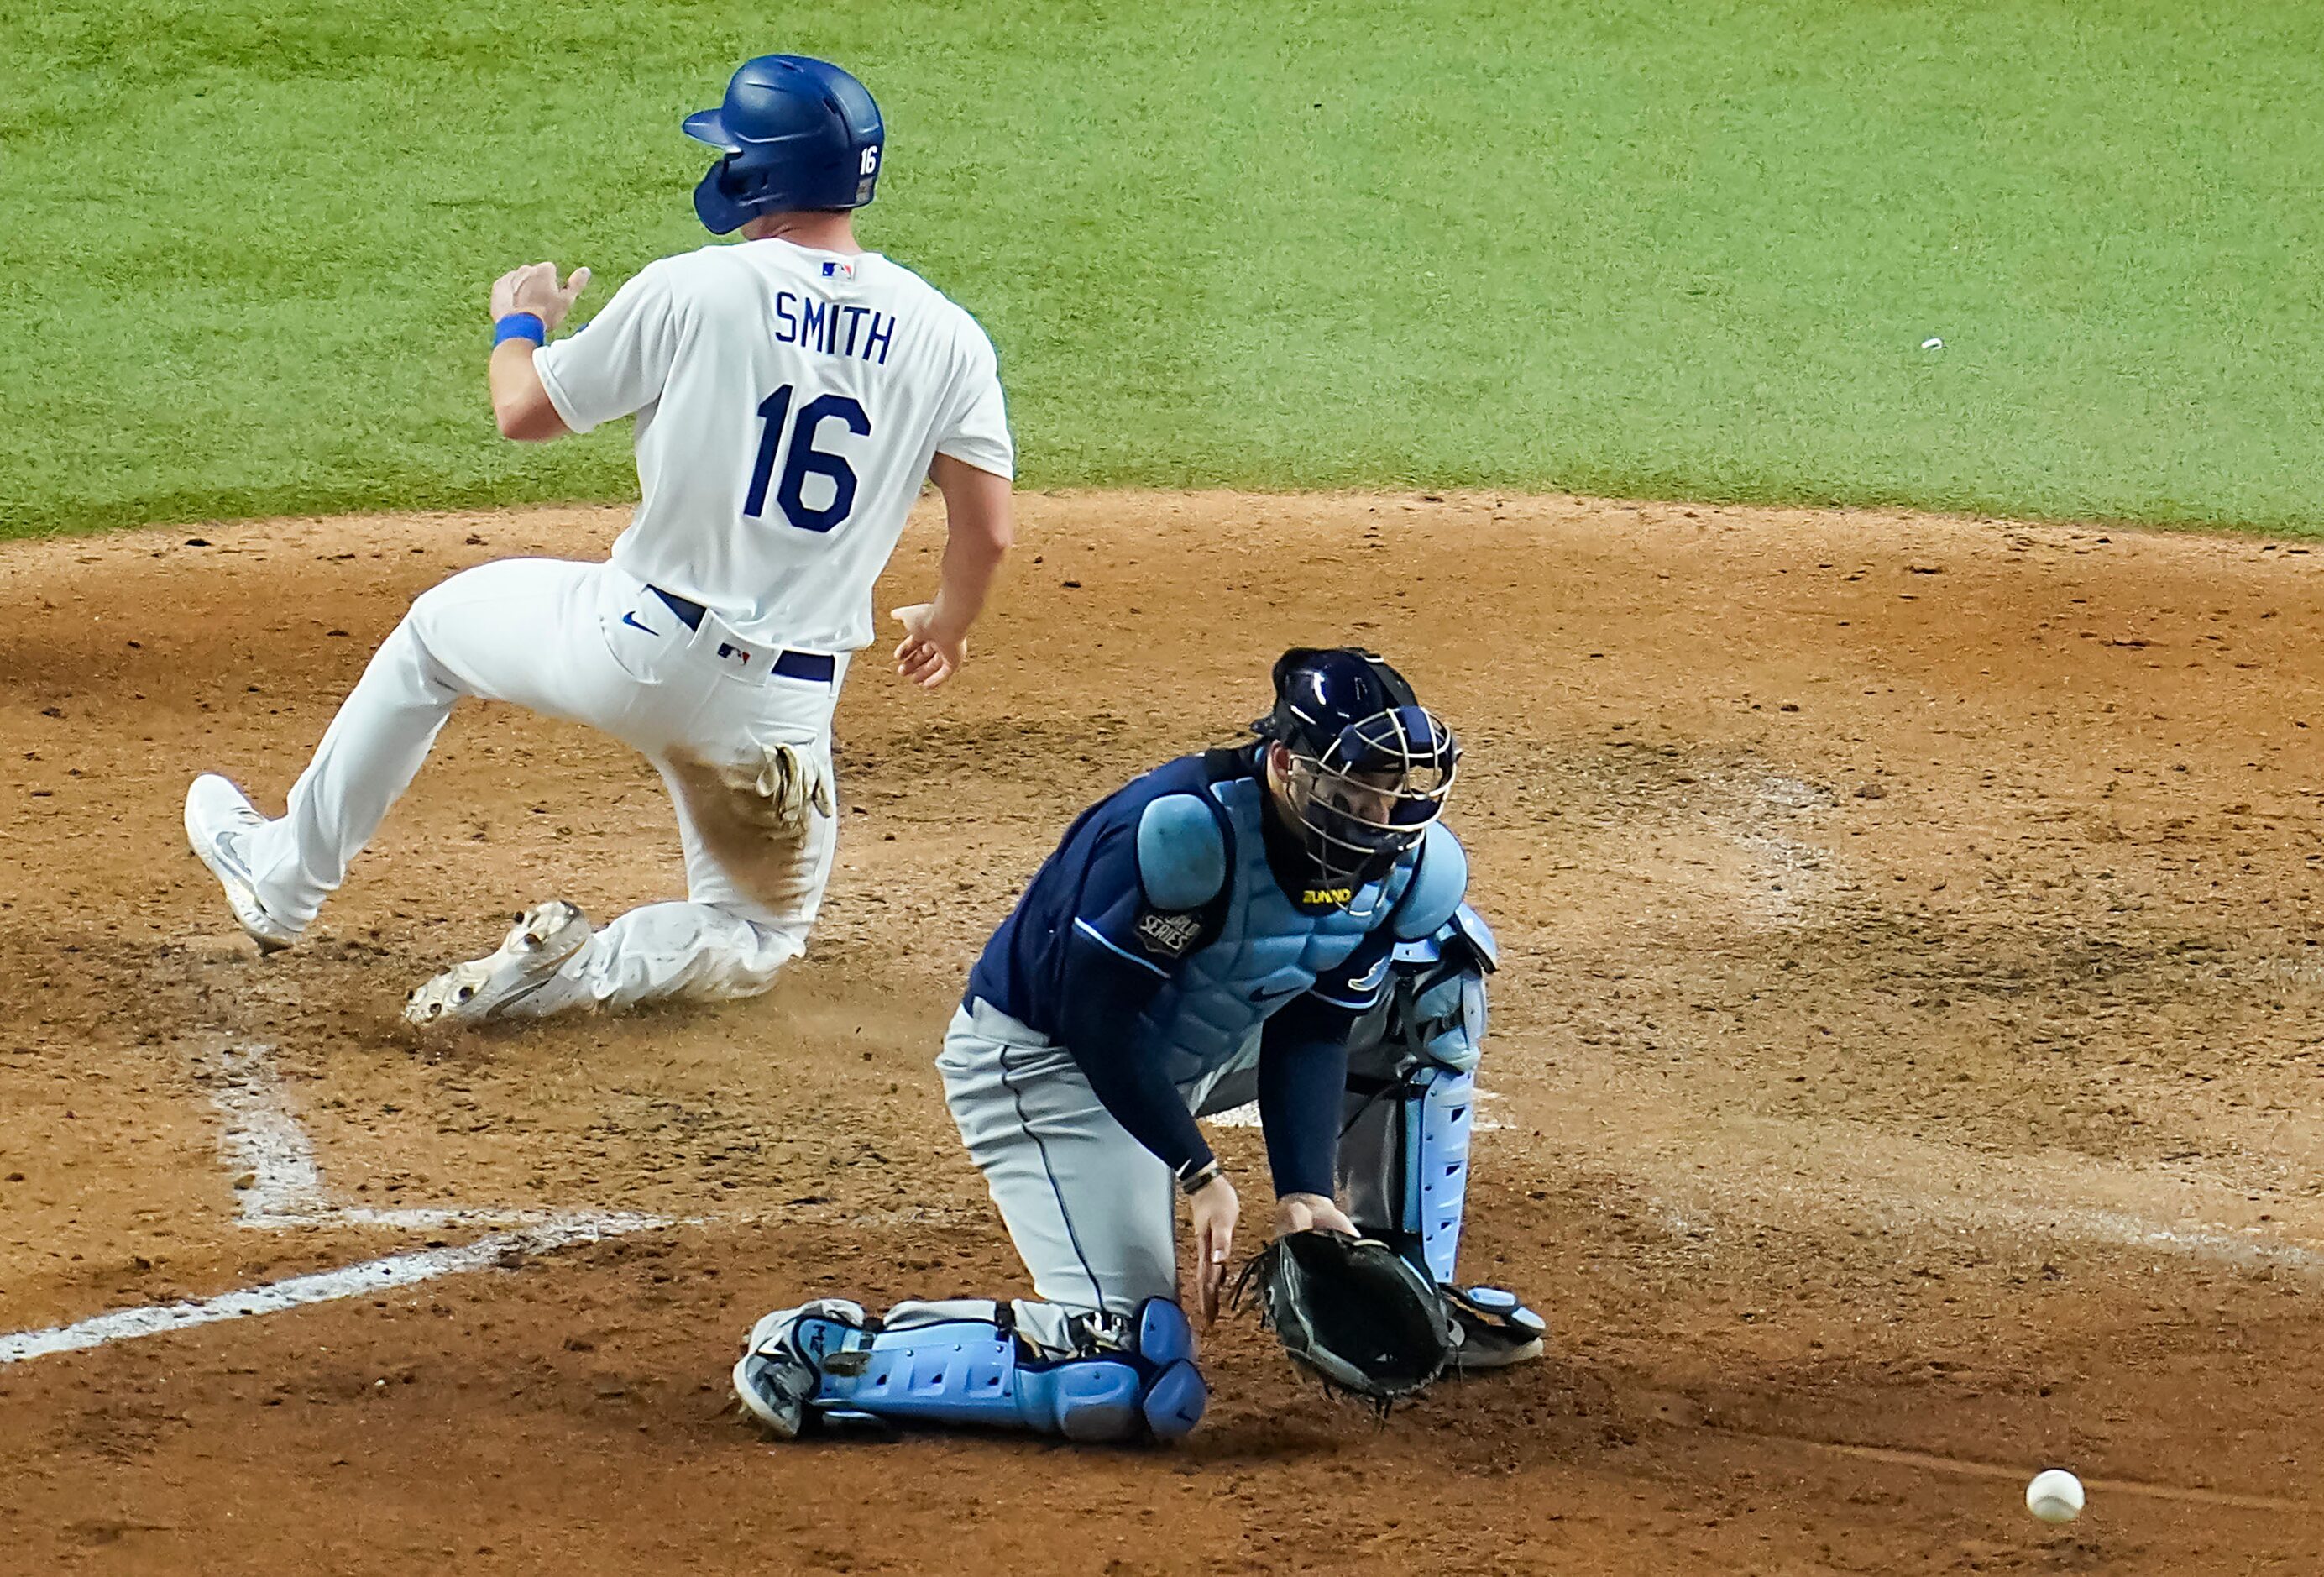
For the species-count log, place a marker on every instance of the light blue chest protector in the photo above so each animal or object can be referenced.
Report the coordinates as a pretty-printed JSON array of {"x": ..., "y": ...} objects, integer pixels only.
[{"x": 1267, "y": 950}]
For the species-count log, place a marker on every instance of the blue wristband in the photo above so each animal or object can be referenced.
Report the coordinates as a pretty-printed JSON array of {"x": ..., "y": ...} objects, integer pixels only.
[{"x": 521, "y": 326}]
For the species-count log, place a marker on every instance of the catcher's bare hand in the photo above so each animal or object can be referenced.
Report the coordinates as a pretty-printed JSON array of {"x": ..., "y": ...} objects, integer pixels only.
[
  {"x": 1216, "y": 1209},
  {"x": 534, "y": 289},
  {"x": 1300, "y": 1212}
]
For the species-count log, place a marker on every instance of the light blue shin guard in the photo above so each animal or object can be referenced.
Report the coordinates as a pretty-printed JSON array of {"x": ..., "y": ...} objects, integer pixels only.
[
  {"x": 1412, "y": 1092},
  {"x": 1437, "y": 1124},
  {"x": 965, "y": 1362},
  {"x": 1404, "y": 1163}
]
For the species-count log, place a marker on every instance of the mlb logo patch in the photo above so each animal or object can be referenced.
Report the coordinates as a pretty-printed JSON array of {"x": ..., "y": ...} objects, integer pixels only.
[{"x": 838, "y": 268}]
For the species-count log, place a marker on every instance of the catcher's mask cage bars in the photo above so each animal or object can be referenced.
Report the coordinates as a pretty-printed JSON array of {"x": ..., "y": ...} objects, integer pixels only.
[{"x": 1371, "y": 794}]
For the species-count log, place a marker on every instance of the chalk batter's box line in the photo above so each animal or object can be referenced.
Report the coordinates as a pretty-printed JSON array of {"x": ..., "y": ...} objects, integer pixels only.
[{"x": 370, "y": 1277}]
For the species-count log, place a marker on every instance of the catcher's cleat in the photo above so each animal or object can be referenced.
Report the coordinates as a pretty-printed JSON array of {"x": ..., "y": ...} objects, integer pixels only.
[
  {"x": 544, "y": 938},
  {"x": 218, "y": 816},
  {"x": 1496, "y": 1330},
  {"x": 775, "y": 1379}
]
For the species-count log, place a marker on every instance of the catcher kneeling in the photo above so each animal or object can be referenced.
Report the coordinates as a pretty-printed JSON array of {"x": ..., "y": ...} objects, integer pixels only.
[{"x": 1282, "y": 921}]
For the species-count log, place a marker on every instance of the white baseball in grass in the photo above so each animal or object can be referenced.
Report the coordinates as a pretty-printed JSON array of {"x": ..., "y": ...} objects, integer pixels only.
[
  {"x": 1932, "y": 343},
  {"x": 2055, "y": 1495}
]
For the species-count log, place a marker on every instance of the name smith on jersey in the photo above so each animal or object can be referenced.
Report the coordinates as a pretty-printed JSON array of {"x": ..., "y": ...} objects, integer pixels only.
[{"x": 816, "y": 325}]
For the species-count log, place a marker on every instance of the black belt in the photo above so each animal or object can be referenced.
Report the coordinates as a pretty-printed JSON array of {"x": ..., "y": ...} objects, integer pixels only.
[{"x": 815, "y": 666}]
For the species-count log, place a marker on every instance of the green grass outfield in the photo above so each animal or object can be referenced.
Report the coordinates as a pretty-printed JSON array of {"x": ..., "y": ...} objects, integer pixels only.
[{"x": 1642, "y": 247}]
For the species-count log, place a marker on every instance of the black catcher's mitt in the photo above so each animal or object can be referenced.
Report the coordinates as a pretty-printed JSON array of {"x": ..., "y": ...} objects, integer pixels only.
[{"x": 1352, "y": 1312}]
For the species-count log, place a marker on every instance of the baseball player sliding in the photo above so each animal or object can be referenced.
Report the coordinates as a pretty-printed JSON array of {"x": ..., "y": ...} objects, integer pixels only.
[
  {"x": 1223, "y": 926},
  {"x": 790, "y": 393}
]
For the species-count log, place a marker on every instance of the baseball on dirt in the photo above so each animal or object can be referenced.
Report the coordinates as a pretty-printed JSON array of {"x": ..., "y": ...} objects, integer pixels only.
[{"x": 2055, "y": 1495}]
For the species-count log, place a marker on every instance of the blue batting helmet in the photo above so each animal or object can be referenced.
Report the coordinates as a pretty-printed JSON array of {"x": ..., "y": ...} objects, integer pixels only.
[
  {"x": 796, "y": 133},
  {"x": 1370, "y": 766}
]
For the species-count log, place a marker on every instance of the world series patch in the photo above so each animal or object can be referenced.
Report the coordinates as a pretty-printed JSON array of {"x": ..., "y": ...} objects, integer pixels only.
[{"x": 1169, "y": 935}]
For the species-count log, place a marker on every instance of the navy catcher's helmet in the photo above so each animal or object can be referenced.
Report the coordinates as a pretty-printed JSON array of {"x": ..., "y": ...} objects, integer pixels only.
[
  {"x": 796, "y": 133},
  {"x": 1370, "y": 766}
]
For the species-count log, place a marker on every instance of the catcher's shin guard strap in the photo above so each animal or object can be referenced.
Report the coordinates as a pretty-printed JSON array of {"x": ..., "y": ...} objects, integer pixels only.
[
  {"x": 964, "y": 1364},
  {"x": 1448, "y": 1019}
]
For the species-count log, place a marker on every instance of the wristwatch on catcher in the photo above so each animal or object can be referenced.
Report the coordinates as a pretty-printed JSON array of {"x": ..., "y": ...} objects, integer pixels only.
[{"x": 1194, "y": 1179}]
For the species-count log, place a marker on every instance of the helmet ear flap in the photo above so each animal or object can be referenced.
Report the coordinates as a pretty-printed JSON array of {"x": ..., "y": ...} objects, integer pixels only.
[
  {"x": 716, "y": 203},
  {"x": 1275, "y": 724}
]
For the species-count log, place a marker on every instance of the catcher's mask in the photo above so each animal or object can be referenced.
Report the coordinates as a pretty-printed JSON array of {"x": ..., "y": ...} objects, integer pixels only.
[{"x": 1371, "y": 767}]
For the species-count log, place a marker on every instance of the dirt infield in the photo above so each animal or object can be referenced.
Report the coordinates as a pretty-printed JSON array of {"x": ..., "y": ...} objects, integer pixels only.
[{"x": 1906, "y": 1064}]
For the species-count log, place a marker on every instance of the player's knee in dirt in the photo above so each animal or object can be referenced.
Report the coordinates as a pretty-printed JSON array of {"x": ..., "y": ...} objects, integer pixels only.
[{"x": 753, "y": 816}]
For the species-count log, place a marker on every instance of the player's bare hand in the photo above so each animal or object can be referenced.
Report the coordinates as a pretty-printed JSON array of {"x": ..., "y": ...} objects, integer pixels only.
[
  {"x": 929, "y": 654},
  {"x": 1299, "y": 1212},
  {"x": 1216, "y": 1209},
  {"x": 534, "y": 289}
]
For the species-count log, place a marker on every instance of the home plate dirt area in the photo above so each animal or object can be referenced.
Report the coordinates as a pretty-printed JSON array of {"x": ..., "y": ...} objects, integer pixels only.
[{"x": 1906, "y": 1061}]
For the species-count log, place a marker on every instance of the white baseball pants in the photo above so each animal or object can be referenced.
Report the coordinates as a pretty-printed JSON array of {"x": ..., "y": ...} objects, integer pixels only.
[{"x": 590, "y": 643}]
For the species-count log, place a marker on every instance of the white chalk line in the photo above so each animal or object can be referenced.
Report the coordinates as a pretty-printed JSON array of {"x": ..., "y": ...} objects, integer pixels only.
[
  {"x": 372, "y": 1276},
  {"x": 1794, "y": 873},
  {"x": 266, "y": 1147},
  {"x": 262, "y": 1139},
  {"x": 2126, "y": 1231},
  {"x": 2251, "y": 1250},
  {"x": 1933, "y": 1462},
  {"x": 280, "y": 1187},
  {"x": 417, "y": 1219},
  {"x": 2247, "y": 1251}
]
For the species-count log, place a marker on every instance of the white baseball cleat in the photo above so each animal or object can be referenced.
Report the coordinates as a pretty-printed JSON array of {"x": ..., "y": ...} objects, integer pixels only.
[
  {"x": 527, "y": 959},
  {"x": 218, "y": 816},
  {"x": 1497, "y": 1331}
]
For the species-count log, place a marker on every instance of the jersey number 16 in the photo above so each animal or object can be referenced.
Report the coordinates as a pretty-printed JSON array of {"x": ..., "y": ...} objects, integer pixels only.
[{"x": 804, "y": 459}]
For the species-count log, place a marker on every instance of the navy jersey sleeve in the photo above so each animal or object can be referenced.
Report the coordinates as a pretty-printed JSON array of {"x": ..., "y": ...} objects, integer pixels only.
[
  {"x": 1151, "y": 883},
  {"x": 1122, "y": 948},
  {"x": 1104, "y": 995},
  {"x": 1304, "y": 1056},
  {"x": 1303, "y": 1072}
]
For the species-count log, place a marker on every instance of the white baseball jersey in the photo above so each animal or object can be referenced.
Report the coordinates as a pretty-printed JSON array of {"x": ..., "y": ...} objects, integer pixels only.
[{"x": 788, "y": 403}]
